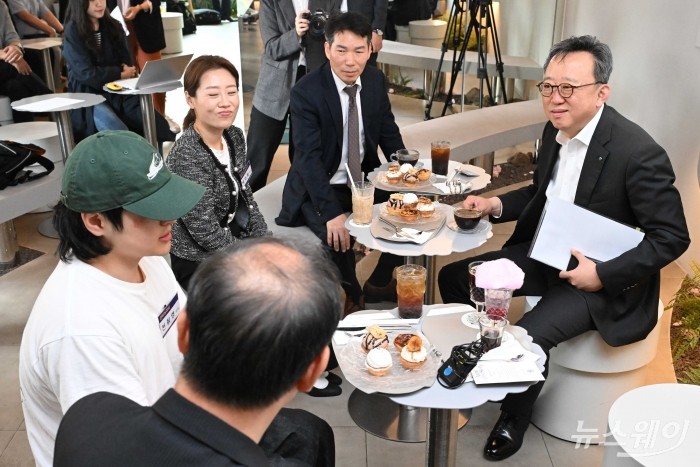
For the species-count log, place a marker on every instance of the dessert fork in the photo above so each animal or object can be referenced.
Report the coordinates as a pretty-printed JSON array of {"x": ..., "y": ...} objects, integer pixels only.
[{"x": 397, "y": 230}]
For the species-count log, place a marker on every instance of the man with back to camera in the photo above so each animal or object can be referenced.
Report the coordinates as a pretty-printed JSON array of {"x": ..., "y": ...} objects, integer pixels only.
[
  {"x": 104, "y": 319},
  {"x": 316, "y": 192},
  {"x": 223, "y": 399},
  {"x": 597, "y": 159}
]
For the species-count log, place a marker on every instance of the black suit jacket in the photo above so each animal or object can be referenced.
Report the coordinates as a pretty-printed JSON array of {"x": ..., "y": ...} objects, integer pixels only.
[
  {"x": 628, "y": 177},
  {"x": 318, "y": 141},
  {"x": 374, "y": 10}
]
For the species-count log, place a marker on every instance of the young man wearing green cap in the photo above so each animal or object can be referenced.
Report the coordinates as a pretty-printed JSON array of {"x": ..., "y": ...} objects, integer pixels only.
[{"x": 104, "y": 320}]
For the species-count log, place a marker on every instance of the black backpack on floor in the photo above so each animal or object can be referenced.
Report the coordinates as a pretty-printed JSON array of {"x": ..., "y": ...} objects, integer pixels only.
[
  {"x": 207, "y": 16},
  {"x": 189, "y": 22},
  {"x": 14, "y": 160}
]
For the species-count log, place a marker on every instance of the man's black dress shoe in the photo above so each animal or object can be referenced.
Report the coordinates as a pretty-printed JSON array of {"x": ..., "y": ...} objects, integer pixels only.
[
  {"x": 374, "y": 294},
  {"x": 334, "y": 379},
  {"x": 331, "y": 390},
  {"x": 506, "y": 436}
]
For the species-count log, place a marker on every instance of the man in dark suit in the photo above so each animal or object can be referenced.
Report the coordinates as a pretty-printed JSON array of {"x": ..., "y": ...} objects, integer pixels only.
[
  {"x": 375, "y": 11},
  {"x": 597, "y": 159},
  {"x": 316, "y": 193},
  {"x": 227, "y": 408}
]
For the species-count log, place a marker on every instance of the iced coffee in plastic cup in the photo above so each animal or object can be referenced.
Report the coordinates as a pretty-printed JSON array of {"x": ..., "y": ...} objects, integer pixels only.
[
  {"x": 362, "y": 202},
  {"x": 410, "y": 288}
]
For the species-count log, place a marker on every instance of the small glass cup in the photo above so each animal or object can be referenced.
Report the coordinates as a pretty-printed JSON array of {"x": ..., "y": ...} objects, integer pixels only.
[
  {"x": 362, "y": 202},
  {"x": 406, "y": 156},
  {"x": 491, "y": 330},
  {"x": 476, "y": 294},
  {"x": 497, "y": 302},
  {"x": 410, "y": 288},
  {"x": 440, "y": 156}
]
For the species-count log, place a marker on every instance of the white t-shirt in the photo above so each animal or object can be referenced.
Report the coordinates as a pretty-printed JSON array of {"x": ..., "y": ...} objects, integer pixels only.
[{"x": 90, "y": 332}]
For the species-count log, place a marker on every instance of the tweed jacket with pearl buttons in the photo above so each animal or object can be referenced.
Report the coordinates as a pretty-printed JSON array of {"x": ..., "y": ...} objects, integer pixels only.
[{"x": 199, "y": 233}]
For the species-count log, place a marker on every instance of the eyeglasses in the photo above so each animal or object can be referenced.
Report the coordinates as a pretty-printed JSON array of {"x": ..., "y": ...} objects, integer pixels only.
[{"x": 565, "y": 89}]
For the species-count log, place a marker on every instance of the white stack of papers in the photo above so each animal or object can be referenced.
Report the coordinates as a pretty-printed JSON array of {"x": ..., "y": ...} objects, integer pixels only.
[{"x": 564, "y": 226}]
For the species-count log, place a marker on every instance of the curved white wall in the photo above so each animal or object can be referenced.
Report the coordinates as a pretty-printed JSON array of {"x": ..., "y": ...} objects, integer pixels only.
[
  {"x": 655, "y": 81},
  {"x": 656, "y": 76}
]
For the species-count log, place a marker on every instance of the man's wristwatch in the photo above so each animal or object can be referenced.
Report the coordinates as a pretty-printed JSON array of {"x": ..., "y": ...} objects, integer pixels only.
[{"x": 379, "y": 32}]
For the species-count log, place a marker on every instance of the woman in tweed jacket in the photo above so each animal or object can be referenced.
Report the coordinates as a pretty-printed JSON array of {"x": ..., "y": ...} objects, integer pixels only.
[{"x": 211, "y": 152}]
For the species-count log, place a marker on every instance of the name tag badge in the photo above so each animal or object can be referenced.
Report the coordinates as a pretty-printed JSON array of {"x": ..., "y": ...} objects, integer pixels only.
[
  {"x": 247, "y": 173},
  {"x": 169, "y": 315}
]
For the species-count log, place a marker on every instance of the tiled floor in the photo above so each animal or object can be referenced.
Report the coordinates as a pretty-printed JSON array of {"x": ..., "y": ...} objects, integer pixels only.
[{"x": 355, "y": 448}]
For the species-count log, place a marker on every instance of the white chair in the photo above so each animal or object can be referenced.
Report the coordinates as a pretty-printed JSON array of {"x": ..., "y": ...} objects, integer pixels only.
[
  {"x": 655, "y": 425},
  {"x": 5, "y": 111},
  {"x": 429, "y": 33},
  {"x": 173, "y": 23},
  {"x": 402, "y": 34},
  {"x": 586, "y": 376}
]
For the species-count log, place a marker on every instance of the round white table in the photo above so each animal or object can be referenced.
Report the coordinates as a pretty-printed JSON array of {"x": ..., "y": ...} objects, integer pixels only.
[
  {"x": 444, "y": 331},
  {"x": 148, "y": 113},
  {"x": 656, "y": 425},
  {"x": 60, "y": 105},
  {"x": 445, "y": 242}
]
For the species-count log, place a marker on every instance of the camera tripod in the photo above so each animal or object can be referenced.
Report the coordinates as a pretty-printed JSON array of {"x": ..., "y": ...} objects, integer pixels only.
[{"x": 480, "y": 19}]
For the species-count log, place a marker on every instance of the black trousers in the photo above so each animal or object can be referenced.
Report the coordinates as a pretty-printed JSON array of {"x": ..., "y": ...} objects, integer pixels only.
[
  {"x": 17, "y": 86},
  {"x": 183, "y": 270},
  {"x": 562, "y": 314},
  {"x": 345, "y": 261},
  {"x": 298, "y": 438},
  {"x": 264, "y": 136}
]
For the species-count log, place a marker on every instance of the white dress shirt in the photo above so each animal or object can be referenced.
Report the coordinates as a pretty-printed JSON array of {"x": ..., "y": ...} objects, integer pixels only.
[
  {"x": 567, "y": 169},
  {"x": 341, "y": 177}
]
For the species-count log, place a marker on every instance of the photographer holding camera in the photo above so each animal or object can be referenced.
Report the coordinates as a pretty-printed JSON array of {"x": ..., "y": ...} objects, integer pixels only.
[{"x": 293, "y": 47}]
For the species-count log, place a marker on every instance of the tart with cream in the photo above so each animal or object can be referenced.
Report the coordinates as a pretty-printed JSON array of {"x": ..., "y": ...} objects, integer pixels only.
[
  {"x": 414, "y": 355},
  {"x": 410, "y": 201},
  {"x": 424, "y": 174},
  {"x": 408, "y": 215},
  {"x": 395, "y": 203},
  {"x": 374, "y": 338},
  {"x": 378, "y": 362}
]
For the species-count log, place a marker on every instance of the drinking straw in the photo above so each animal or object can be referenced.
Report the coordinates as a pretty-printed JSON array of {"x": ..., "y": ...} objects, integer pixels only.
[{"x": 352, "y": 182}]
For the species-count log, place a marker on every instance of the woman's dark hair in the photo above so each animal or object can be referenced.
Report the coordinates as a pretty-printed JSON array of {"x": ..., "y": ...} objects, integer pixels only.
[
  {"x": 193, "y": 76},
  {"x": 111, "y": 29},
  {"x": 75, "y": 241}
]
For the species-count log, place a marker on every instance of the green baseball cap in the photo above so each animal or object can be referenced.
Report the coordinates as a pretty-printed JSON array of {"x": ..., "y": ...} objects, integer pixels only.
[{"x": 120, "y": 169}]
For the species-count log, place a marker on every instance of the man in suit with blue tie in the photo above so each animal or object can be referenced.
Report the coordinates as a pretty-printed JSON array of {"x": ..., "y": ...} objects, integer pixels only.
[{"x": 323, "y": 103}]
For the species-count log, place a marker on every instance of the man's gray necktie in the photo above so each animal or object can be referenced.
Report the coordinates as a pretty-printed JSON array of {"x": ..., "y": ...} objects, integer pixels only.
[{"x": 354, "y": 162}]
